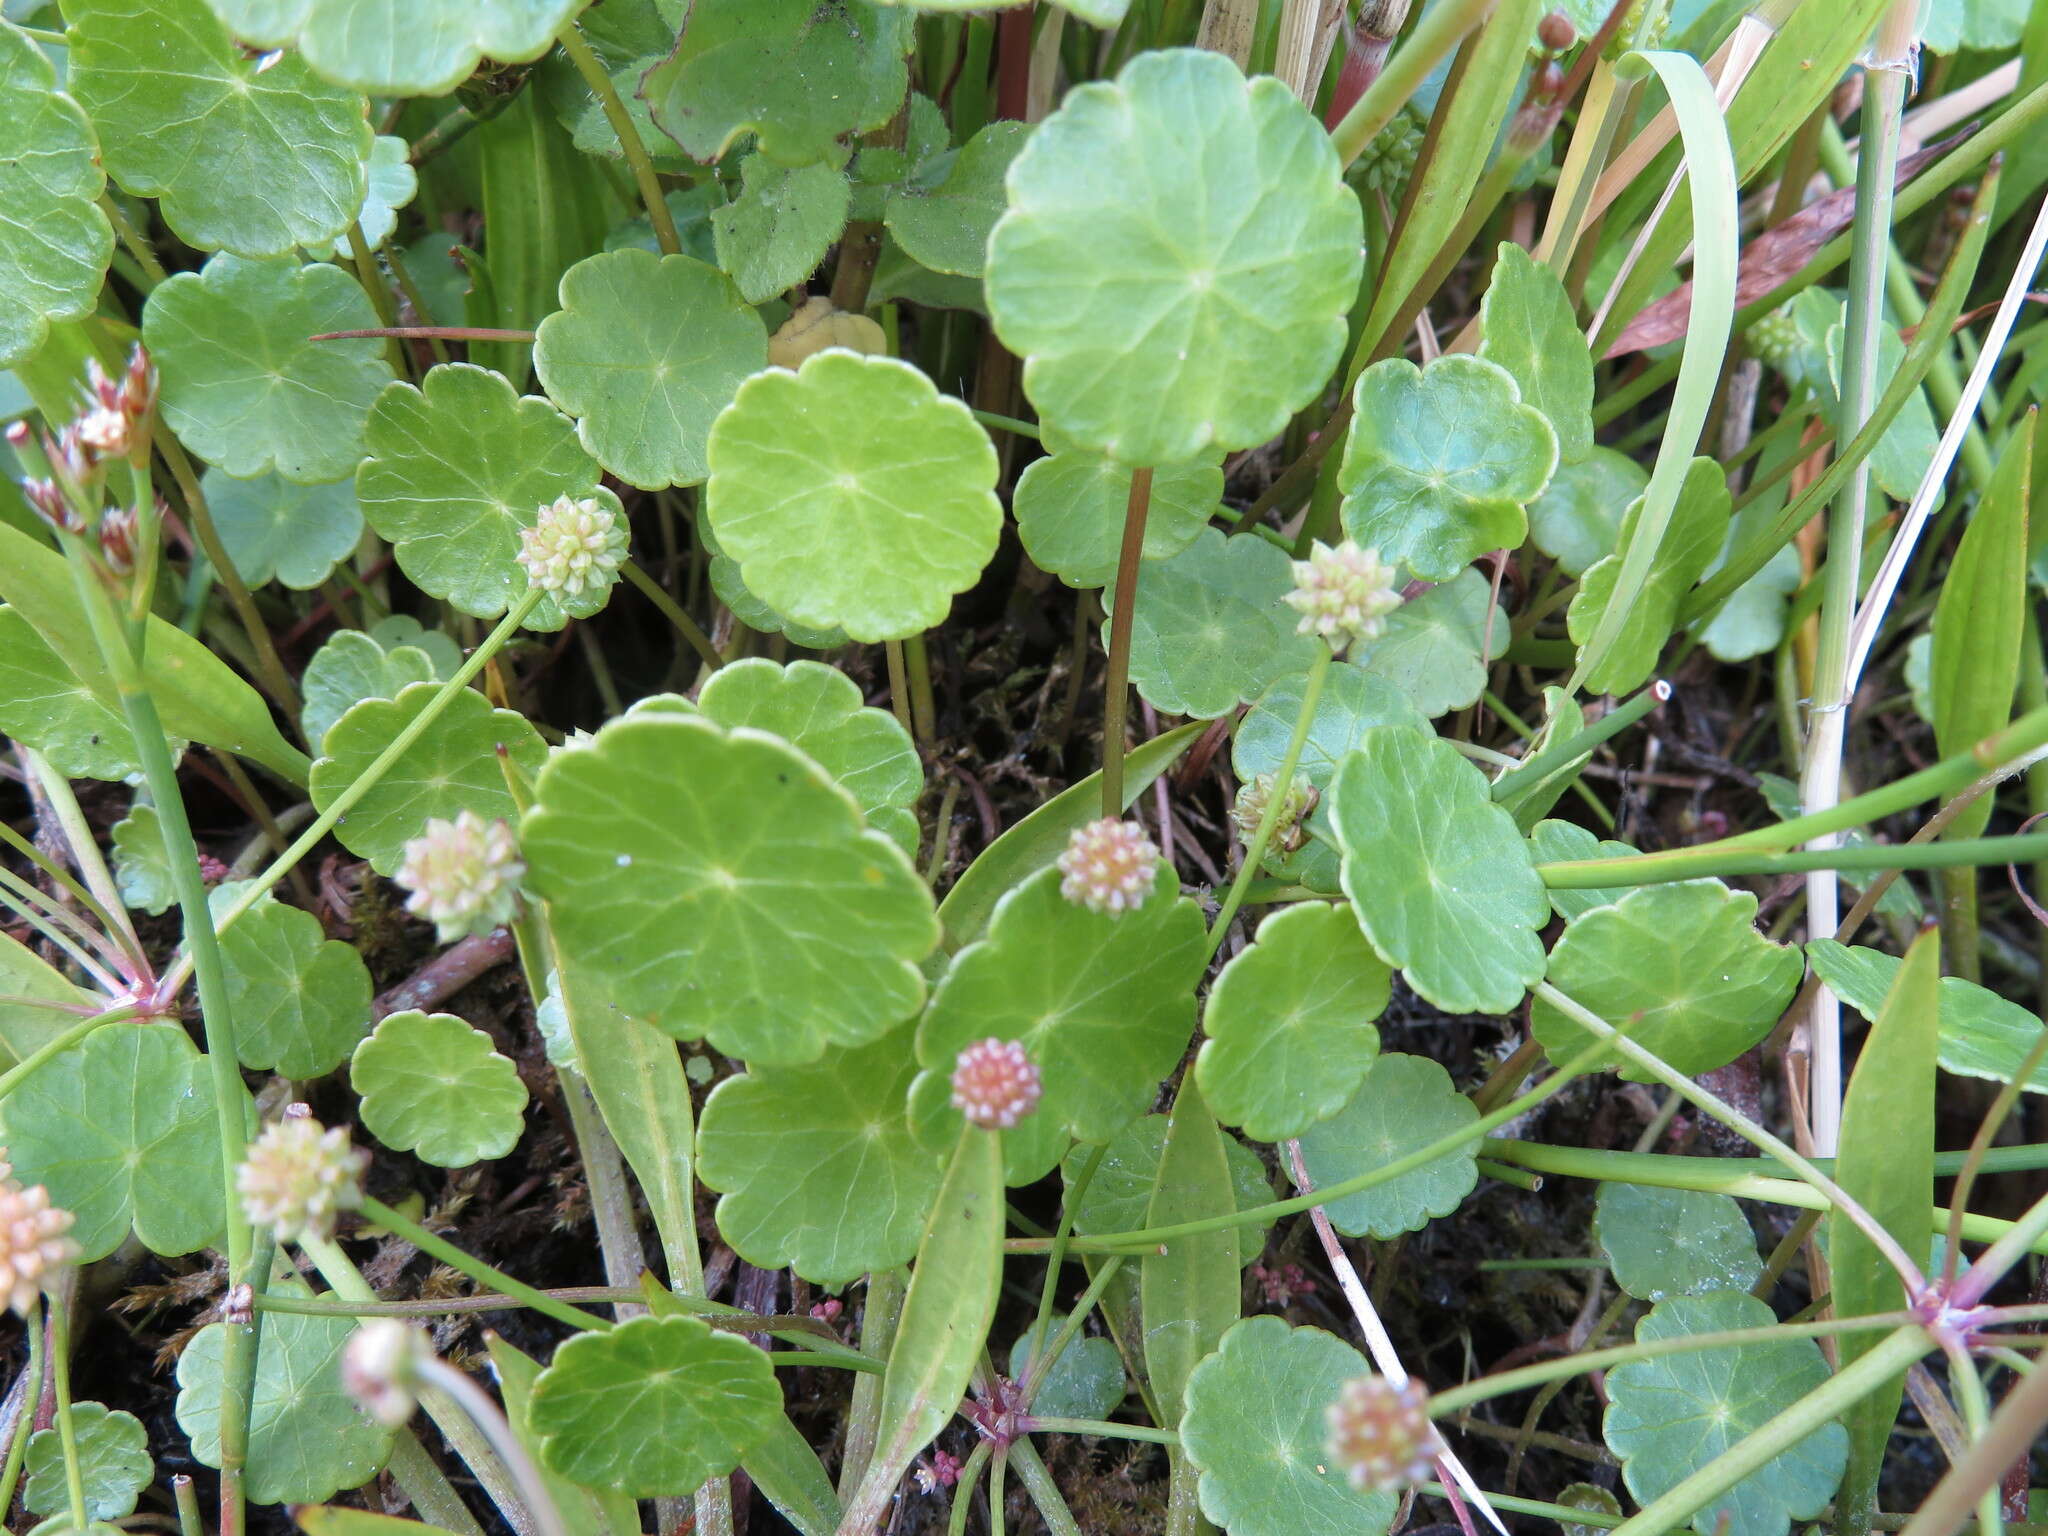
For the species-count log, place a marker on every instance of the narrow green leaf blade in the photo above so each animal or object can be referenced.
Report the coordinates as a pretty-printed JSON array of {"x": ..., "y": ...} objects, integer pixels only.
[{"x": 1189, "y": 1293}]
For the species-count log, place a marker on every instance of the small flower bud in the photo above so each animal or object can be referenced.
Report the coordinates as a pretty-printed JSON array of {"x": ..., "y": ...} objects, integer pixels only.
[
  {"x": 71, "y": 457},
  {"x": 298, "y": 1176},
  {"x": 117, "y": 540},
  {"x": 1289, "y": 829},
  {"x": 1343, "y": 594},
  {"x": 104, "y": 430},
  {"x": 138, "y": 385},
  {"x": 1390, "y": 157},
  {"x": 577, "y": 545},
  {"x": 1773, "y": 339},
  {"x": 1556, "y": 32},
  {"x": 52, "y": 505},
  {"x": 995, "y": 1084},
  {"x": 34, "y": 1249},
  {"x": 463, "y": 875},
  {"x": 1109, "y": 866},
  {"x": 1381, "y": 1435},
  {"x": 380, "y": 1369},
  {"x": 19, "y": 436}
]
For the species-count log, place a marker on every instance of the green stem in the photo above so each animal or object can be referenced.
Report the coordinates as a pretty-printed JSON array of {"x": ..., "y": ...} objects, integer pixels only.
[
  {"x": 1769, "y": 1440},
  {"x": 615, "y": 113},
  {"x": 485, "y": 1415},
  {"x": 1269, "y": 819},
  {"x": 186, "y": 1497},
  {"x": 437, "y": 1247},
  {"x": 1077, "y": 1191},
  {"x": 1579, "y": 874},
  {"x": 964, "y": 1485},
  {"x": 31, "y": 1394},
  {"x": 1105, "y": 1427},
  {"x": 372, "y": 282},
  {"x": 371, "y": 776},
  {"x": 1534, "y": 770},
  {"x": 1042, "y": 1364},
  {"x": 402, "y": 275},
  {"x": 133, "y": 239},
  {"x": 1007, "y": 424},
  {"x": 1116, "y": 683},
  {"x": 1045, "y": 1493},
  {"x": 923, "y": 713},
  {"x": 1440, "y": 30},
  {"x": 671, "y": 610},
  {"x": 67, "y": 1431}
]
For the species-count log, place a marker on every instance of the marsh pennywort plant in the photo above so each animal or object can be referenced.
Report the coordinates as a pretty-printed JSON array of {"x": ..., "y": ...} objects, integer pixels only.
[{"x": 607, "y": 597}]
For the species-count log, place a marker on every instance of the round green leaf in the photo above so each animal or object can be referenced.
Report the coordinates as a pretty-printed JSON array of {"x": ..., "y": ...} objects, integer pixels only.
[
  {"x": 1441, "y": 461},
  {"x": 1404, "y": 1104},
  {"x": 1290, "y": 1023},
  {"x": 1753, "y": 618},
  {"x": 795, "y": 75},
  {"x": 392, "y": 184},
  {"x": 817, "y": 1165},
  {"x": 457, "y": 471},
  {"x": 1559, "y": 842},
  {"x": 114, "y": 1464},
  {"x": 1668, "y": 1417},
  {"x": 1254, "y": 1428},
  {"x": 300, "y": 1000},
  {"x": 724, "y": 572},
  {"x": 1170, "y": 303},
  {"x": 351, "y": 667},
  {"x": 697, "y": 1402},
  {"x": 435, "y": 1087},
  {"x": 728, "y": 888},
  {"x": 1119, "y": 1197},
  {"x": 1352, "y": 702},
  {"x": 818, "y": 710},
  {"x": 1532, "y": 331},
  {"x": 1070, "y": 507},
  {"x": 273, "y": 528},
  {"x": 645, "y": 351},
  {"x": 1102, "y": 1003},
  {"x": 44, "y": 705},
  {"x": 1437, "y": 644},
  {"x": 307, "y": 1438},
  {"x": 244, "y": 152},
  {"x": 121, "y": 1130},
  {"x": 1086, "y": 1382},
  {"x": 400, "y": 47},
  {"x": 1442, "y": 880},
  {"x": 1210, "y": 630},
  {"x": 1982, "y": 1034},
  {"x": 453, "y": 767},
  {"x": 1683, "y": 963},
  {"x": 1674, "y": 1242},
  {"x": 242, "y": 385},
  {"x": 853, "y": 494},
  {"x": 592, "y": 133},
  {"x": 943, "y": 215},
  {"x": 1577, "y": 519},
  {"x": 774, "y": 234},
  {"x": 51, "y": 266},
  {"x": 142, "y": 867}
]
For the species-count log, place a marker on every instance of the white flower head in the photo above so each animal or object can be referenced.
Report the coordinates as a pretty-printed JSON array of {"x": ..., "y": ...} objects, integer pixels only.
[
  {"x": 34, "y": 1249},
  {"x": 380, "y": 1369},
  {"x": 576, "y": 546},
  {"x": 1108, "y": 866},
  {"x": 1343, "y": 594},
  {"x": 462, "y": 875},
  {"x": 298, "y": 1176},
  {"x": 995, "y": 1084}
]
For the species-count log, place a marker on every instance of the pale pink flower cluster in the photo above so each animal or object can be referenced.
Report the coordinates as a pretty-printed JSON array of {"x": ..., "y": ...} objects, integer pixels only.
[
  {"x": 1343, "y": 594},
  {"x": 1381, "y": 1434},
  {"x": 1108, "y": 866},
  {"x": 995, "y": 1084},
  {"x": 33, "y": 1246},
  {"x": 462, "y": 875}
]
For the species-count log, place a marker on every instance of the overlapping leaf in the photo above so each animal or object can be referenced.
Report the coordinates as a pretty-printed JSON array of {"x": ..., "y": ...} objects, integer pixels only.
[
  {"x": 42, "y": 705},
  {"x": 943, "y": 215},
  {"x": 1437, "y": 644},
  {"x": 1403, "y": 1105},
  {"x": 773, "y": 235},
  {"x": 1577, "y": 519},
  {"x": 272, "y": 528},
  {"x": 431, "y": 1085},
  {"x": 1532, "y": 332},
  {"x": 1982, "y": 1034},
  {"x": 351, "y": 666},
  {"x": 1120, "y": 1194},
  {"x": 1674, "y": 1242},
  {"x": 1070, "y": 508},
  {"x": 400, "y": 47},
  {"x": 113, "y": 1464},
  {"x": 299, "y": 999}
]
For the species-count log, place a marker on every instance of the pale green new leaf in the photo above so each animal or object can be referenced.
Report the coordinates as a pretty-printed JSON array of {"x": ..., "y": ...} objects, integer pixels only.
[
  {"x": 244, "y": 387},
  {"x": 942, "y": 216},
  {"x": 795, "y": 75},
  {"x": 818, "y": 1168},
  {"x": 1210, "y": 630},
  {"x": 393, "y": 183},
  {"x": 1255, "y": 1428},
  {"x": 1437, "y": 644},
  {"x": 272, "y": 528},
  {"x": 1577, "y": 519},
  {"x": 244, "y": 152},
  {"x": 1170, "y": 303},
  {"x": 1290, "y": 1022},
  {"x": 1102, "y": 1003},
  {"x": 142, "y": 866},
  {"x": 455, "y": 473},
  {"x": 452, "y": 767},
  {"x": 645, "y": 352},
  {"x": 1674, "y": 1242},
  {"x": 113, "y": 1462},
  {"x": 1684, "y": 963},
  {"x": 307, "y": 1437},
  {"x": 300, "y": 1000},
  {"x": 350, "y": 667},
  {"x": 853, "y": 494},
  {"x": 1403, "y": 1104},
  {"x": 1668, "y": 1417},
  {"x": 1532, "y": 332},
  {"x": 773, "y": 235},
  {"x": 401, "y": 47},
  {"x": 431, "y": 1085},
  {"x": 1070, "y": 508},
  {"x": 724, "y": 886},
  {"x": 54, "y": 240},
  {"x": 122, "y": 1132},
  {"x": 1441, "y": 461},
  {"x": 1442, "y": 881}
]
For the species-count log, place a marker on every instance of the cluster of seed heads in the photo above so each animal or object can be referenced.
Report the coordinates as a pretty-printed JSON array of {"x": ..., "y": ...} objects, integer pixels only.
[
  {"x": 1108, "y": 866},
  {"x": 298, "y": 1176},
  {"x": 34, "y": 1247},
  {"x": 1390, "y": 158},
  {"x": 1381, "y": 1434},
  {"x": 462, "y": 875},
  {"x": 995, "y": 1084},
  {"x": 576, "y": 545},
  {"x": 1343, "y": 594},
  {"x": 1773, "y": 339},
  {"x": 1290, "y": 826}
]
